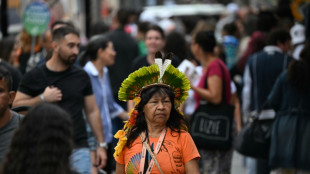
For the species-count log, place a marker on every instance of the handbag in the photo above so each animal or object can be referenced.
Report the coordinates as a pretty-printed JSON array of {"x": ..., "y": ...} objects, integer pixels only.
[
  {"x": 254, "y": 138},
  {"x": 211, "y": 125}
]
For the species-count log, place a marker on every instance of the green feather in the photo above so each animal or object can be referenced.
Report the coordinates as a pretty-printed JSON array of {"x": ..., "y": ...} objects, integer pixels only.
[
  {"x": 176, "y": 79},
  {"x": 150, "y": 75},
  {"x": 136, "y": 80}
]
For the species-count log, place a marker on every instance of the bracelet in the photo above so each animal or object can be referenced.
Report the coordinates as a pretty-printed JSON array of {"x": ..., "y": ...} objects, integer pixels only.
[
  {"x": 42, "y": 97},
  {"x": 104, "y": 145}
]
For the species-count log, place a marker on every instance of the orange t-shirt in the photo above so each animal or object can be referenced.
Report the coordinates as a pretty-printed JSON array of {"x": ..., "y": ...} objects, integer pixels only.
[{"x": 174, "y": 153}]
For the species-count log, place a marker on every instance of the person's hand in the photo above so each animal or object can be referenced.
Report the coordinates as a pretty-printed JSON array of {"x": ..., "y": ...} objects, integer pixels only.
[
  {"x": 124, "y": 116},
  {"x": 101, "y": 157},
  {"x": 52, "y": 94},
  {"x": 239, "y": 128},
  {"x": 94, "y": 170}
]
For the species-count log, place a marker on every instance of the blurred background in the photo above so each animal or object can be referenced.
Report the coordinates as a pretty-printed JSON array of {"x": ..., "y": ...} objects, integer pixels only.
[{"x": 85, "y": 13}]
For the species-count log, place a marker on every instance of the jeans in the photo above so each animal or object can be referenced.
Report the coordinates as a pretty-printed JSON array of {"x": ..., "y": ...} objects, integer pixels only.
[
  {"x": 80, "y": 160},
  {"x": 250, "y": 165},
  {"x": 257, "y": 166}
]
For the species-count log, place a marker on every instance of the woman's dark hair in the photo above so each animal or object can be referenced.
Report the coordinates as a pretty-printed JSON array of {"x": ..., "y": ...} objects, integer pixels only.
[
  {"x": 122, "y": 17},
  {"x": 176, "y": 43},
  {"x": 250, "y": 24},
  {"x": 6, "y": 47},
  {"x": 99, "y": 27},
  {"x": 266, "y": 20},
  {"x": 4, "y": 73},
  {"x": 143, "y": 26},
  {"x": 95, "y": 43},
  {"x": 206, "y": 40},
  {"x": 174, "y": 122},
  {"x": 299, "y": 70},
  {"x": 231, "y": 28},
  {"x": 158, "y": 29},
  {"x": 42, "y": 143}
]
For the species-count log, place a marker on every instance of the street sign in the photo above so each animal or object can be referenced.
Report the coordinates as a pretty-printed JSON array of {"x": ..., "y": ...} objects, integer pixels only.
[{"x": 36, "y": 18}]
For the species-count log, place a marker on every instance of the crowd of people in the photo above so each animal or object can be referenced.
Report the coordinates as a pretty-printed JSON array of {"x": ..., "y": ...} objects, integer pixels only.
[{"x": 118, "y": 83}]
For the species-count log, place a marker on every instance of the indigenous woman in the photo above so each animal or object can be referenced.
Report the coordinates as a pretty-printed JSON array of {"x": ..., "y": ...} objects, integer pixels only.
[{"x": 155, "y": 138}]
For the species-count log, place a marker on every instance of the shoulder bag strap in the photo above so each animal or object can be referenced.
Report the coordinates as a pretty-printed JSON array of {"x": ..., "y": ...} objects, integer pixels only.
[
  {"x": 223, "y": 84},
  {"x": 153, "y": 156},
  {"x": 254, "y": 65},
  {"x": 254, "y": 74},
  {"x": 258, "y": 109},
  {"x": 151, "y": 153}
]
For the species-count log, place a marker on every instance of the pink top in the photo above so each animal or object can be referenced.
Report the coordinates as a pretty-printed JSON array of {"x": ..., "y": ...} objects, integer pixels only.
[{"x": 214, "y": 68}]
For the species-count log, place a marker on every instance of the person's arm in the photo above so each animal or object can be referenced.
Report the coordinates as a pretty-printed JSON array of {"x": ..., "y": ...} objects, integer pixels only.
[
  {"x": 50, "y": 94},
  {"x": 93, "y": 117},
  {"x": 214, "y": 92},
  {"x": 93, "y": 169},
  {"x": 246, "y": 91},
  {"x": 114, "y": 108},
  {"x": 123, "y": 116},
  {"x": 192, "y": 167},
  {"x": 237, "y": 113},
  {"x": 120, "y": 168}
]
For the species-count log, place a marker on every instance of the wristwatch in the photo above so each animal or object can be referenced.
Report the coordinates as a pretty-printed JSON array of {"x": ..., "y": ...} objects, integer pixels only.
[{"x": 103, "y": 144}]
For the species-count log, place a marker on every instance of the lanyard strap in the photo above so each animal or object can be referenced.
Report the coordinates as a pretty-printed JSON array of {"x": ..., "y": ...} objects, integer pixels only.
[{"x": 144, "y": 148}]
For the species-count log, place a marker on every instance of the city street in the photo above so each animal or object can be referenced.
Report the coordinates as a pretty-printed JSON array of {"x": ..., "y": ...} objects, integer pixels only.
[{"x": 128, "y": 78}]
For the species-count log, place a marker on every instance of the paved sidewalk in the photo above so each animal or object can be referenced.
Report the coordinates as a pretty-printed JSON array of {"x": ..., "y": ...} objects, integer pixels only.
[{"x": 237, "y": 164}]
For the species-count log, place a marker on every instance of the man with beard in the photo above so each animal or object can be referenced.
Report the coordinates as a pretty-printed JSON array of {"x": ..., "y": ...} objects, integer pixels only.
[{"x": 59, "y": 81}]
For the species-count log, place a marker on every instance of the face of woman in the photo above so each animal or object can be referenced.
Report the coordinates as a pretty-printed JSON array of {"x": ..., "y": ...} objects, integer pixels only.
[
  {"x": 107, "y": 55},
  {"x": 194, "y": 47},
  {"x": 154, "y": 41},
  {"x": 157, "y": 110},
  {"x": 14, "y": 54}
]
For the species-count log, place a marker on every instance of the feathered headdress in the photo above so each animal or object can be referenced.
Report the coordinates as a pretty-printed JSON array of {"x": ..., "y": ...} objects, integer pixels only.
[{"x": 162, "y": 73}]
